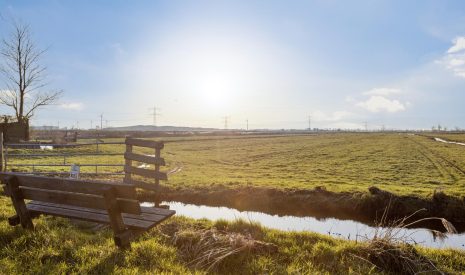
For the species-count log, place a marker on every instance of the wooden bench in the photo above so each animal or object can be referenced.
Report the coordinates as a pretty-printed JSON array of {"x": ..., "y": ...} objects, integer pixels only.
[{"x": 109, "y": 203}]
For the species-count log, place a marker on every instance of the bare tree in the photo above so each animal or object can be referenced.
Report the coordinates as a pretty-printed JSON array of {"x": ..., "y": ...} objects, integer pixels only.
[{"x": 23, "y": 75}]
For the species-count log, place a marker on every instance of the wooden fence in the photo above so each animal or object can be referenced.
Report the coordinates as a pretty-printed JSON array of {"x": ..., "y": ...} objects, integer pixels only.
[
  {"x": 138, "y": 176},
  {"x": 141, "y": 177}
]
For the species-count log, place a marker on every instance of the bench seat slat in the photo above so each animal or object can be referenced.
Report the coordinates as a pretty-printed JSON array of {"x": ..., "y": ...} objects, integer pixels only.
[
  {"x": 93, "y": 215},
  {"x": 152, "y": 217},
  {"x": 86, "y": 216},
  {"x": 156, "y": 215},
  {"x": 155, "y": 210},
  {"x": 77, "y": 199}
]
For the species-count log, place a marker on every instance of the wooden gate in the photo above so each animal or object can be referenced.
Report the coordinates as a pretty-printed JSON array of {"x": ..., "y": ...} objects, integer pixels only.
[{"x": 142, "y": 177}]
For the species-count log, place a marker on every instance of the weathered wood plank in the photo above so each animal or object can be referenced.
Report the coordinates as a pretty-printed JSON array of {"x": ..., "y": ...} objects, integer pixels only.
[
  {"x": 144, "y": 159},
  {"x": 145, "y": 172},
  {"x": 148, "y": 214},
  {"x": 88, "y": 216},
  {"x": 72, "y": 185},
  {"x": 145, "y": 143},
  {"x": 84, "y": 200},
  {"x": 158, "y": 211},
  {"x": 76, "y": 199}
]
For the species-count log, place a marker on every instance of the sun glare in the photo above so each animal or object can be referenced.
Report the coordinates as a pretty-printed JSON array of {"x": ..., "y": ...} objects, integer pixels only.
[{"x": 215, "y": 90}]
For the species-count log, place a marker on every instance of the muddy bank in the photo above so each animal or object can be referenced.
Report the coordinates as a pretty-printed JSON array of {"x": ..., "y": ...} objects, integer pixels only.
[{"x": 367, "y": 207}]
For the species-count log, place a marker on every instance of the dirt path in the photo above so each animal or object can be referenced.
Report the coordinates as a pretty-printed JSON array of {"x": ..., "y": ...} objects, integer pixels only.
[{"x": 438, "y": 156}]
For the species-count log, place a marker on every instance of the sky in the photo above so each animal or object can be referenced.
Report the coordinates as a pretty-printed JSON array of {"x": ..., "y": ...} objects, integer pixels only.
[{"x": 391, "y": 64}]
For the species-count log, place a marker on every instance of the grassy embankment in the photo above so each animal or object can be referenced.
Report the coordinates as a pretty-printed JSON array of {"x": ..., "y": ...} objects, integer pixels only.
[{"x": 180, "y": 246}]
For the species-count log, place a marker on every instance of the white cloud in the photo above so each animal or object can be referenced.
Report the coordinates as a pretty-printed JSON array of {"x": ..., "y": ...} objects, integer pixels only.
[
  {"x": 382, "y": 91},
  {"x": 377, "y": 103},
  {"x": 71, "y": 106},
  {"x": 459, "y": 45},
  {"x": 455, "y": 62},
  {"x": 454, "y": 59}
]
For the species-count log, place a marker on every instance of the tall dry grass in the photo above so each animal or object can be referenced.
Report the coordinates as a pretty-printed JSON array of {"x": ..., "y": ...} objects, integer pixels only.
[
  {"x": 207, "y": 248},
  {"x": 390, "y": 248}
]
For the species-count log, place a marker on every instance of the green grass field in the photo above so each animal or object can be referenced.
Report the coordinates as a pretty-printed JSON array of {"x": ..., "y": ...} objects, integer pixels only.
[
  {"x": 60, "y": 246},
  {"x": 400, "y": 163}
]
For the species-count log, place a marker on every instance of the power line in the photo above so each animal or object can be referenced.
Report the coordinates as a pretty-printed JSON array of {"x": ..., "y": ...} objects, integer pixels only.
[
  {"x": 309, "y": 123},
  {"x": 247, "y": 121},
  {"x": 366, "y": 126},
  {"x": 226, "y": 118},
  {"x": 101, "y": 121},
  {"x": 155, "y": 114}
]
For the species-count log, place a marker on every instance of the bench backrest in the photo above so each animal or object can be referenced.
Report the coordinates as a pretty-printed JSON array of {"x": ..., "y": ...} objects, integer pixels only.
[
  {"x": 89, "y": 194},
  {"x": 146, "y": 178}
]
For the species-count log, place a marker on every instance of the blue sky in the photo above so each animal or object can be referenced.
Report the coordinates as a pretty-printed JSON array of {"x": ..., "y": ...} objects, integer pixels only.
[{"x": 400, "y": 64}]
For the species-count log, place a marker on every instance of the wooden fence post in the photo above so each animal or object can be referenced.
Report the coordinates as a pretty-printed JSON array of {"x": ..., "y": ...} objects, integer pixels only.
[
  {"x": 1, "y": 151},
  {"x": 127, "y": 163},
  {"x": 157, "y": 181}
]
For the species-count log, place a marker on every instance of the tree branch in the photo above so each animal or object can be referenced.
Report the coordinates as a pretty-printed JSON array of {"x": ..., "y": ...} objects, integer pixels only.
[{"x": 23, "y": 75}]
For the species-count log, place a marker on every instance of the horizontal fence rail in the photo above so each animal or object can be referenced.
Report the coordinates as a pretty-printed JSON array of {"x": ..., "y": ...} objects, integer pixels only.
[
  {"x": 65, "y": 155},
  {"x": 58, "y": 145},
  {"x": 67, "y": 173},
  {"x": 66, "y": 165}
]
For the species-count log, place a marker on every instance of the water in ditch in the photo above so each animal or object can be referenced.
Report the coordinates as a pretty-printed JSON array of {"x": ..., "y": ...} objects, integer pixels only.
[
  {"x": 346, "y": 229},
  {"x": 449, "y": 142}
]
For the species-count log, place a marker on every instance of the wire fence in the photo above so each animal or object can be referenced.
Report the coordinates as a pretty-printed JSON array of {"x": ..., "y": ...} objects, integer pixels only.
[{"x": 36, "y": 158}]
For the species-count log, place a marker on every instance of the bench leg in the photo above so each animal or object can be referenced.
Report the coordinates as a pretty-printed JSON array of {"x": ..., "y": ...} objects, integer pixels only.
[
  {"x": 18, "y": 202},
  {"x": 122, "y": 236},
  {"x": 123, "y": 239},
  {"x": 14, "y": 220}
]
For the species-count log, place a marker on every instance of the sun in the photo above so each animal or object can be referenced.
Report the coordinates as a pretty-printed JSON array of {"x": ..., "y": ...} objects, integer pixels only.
[{"x": 215, "y": 89}]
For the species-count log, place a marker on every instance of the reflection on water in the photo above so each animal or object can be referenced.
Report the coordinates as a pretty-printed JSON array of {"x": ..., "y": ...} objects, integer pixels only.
[
  {"x": 347, "y": 229},
  {"x": 450, "y": 142}
]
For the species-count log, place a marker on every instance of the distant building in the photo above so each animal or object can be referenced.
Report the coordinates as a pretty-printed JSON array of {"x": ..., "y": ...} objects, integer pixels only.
[
  {"x": 44, "y": 128},
  {"x": 13, "y": 130}
]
